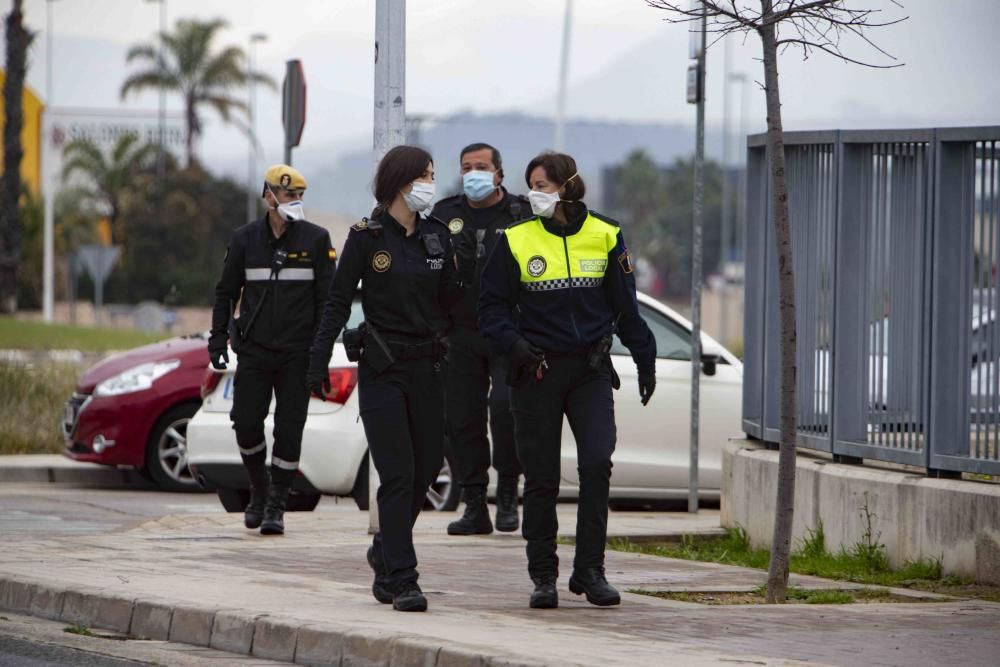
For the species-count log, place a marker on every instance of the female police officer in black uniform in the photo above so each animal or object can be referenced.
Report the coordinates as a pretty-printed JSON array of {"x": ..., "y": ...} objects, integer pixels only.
[
  {"x": 405, "y": 263},
  {"x": 568, "y": 277}
]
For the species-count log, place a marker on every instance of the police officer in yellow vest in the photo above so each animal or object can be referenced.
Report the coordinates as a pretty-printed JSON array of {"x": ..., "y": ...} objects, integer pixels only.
[{"x": 554, "y": 290}]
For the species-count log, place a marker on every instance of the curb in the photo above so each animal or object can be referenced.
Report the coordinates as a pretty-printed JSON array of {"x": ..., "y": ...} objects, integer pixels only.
[
  {"x": 240, "y": 631},
  {"x": 71, "y": 472}
]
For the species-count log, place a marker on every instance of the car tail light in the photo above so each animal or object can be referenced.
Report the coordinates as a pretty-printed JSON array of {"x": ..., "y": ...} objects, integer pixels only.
[
  {"x": 209, "y": 381},
  {"x": 342, "y": 383}
]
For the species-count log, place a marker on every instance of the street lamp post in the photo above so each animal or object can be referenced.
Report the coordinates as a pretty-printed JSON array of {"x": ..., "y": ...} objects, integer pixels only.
[
  {"x": 161, "y": 165},
  {"x": 559, "y": 141},
  {"x": 699, "y": 197},
  {"x": 255, "y": 39},
  {"x": 48, "y": 223}
]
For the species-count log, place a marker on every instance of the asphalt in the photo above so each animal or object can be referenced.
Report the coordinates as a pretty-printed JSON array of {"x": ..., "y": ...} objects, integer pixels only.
[{"x": 202, "y": 579}]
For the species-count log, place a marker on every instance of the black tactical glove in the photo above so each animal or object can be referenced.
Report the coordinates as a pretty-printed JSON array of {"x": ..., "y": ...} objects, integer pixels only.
[
  {"x": 647, "y": 384},
  {"x": 465, "y": 257},
  {"x": 525, "y": 355},
  {"x": 218, "y": 352},
  {"x": 318, "y": 381}
]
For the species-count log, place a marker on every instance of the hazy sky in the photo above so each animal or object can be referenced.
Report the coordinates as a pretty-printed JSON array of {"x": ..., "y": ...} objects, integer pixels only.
[{"x": 501, "y": 55}]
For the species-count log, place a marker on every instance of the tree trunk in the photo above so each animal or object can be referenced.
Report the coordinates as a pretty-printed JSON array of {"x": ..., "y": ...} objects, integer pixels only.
[
  {"x": 191, "y": 127},
  {"x": 10, "y": 183},
  {"x": 777, "y": 574}
]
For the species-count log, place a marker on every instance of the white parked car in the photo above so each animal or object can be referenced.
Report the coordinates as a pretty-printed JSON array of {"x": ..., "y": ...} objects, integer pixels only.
[{"x": 650, "y": 461}]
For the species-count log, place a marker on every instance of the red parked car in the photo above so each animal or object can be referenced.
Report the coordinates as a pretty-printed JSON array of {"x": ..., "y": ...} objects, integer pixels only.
[{"x": 132, "y": 409}]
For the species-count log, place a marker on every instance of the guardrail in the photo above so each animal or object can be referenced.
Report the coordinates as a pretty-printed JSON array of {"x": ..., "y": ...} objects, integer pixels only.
[{"x": 896, "y": 237}]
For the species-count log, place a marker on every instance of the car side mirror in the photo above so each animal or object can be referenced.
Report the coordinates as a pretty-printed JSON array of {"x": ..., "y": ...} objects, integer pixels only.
[{"x": 709, "y": 361}]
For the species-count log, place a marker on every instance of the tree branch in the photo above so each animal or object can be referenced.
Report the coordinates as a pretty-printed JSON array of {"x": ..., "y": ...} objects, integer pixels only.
[{"x": 833, "y": 51}]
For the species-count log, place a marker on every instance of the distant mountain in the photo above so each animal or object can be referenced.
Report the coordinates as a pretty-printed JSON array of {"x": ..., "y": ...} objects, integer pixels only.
[{"x": 345, "y": 187}]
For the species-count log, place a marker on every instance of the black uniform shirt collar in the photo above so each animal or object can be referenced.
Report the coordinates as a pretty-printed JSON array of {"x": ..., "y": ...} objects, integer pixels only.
[
  {"x": 389, "y": 222},
  {"x": 576, "y": 214},
  {"x": 267, "y": 234}
]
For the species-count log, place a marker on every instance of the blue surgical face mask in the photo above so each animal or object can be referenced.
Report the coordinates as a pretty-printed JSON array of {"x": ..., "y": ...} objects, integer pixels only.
[{"x": 478, "y": 185}]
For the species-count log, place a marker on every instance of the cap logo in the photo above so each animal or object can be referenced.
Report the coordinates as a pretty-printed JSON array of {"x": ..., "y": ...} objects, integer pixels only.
[
  {"x": 381, "y": 261},
  {"x": 285, "y": 180},
  {"x": 536, "y": 266}
]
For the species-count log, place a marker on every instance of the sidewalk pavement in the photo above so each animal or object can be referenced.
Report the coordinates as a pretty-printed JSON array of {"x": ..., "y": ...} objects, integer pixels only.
[
  {"x": 305, "y": 597},
  {"x": 59, "y": 469}
]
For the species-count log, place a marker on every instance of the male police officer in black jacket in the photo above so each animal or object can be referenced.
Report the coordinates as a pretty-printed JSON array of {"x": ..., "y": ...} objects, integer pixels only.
[
  {"x": 279, "y": 268},
  {"x": 476, "y": 378}
]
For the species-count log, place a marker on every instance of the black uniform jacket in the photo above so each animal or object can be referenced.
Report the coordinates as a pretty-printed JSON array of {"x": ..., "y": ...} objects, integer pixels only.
[
  {"x": 571, "y": 314},
  {"x": 485, "y": 223},
  {"x": 407, "y": 282},
  {"x": 292, "y": 299}
]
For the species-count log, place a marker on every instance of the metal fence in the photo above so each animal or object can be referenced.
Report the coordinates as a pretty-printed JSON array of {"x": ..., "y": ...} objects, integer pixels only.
[{"x": 896, "y": 241}]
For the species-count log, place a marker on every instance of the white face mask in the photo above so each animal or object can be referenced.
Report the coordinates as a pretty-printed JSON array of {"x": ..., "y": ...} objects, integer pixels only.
[
  {"x": 543, "y": 204},
  {"x": 291, "y": 211},
  {"x": 420, "y": 196}
]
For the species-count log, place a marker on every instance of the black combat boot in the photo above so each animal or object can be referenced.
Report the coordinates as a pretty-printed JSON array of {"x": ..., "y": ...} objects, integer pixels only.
[
  {"x": 274, "y": 510},
  {"x": 380, "y": 589},
  {"x": 409, "y": 597},
  {"x": 260, "y": 483},
  {"x": 545, "y": 595},
  {"x": 592, "y": 582},
  {"x": 507, "y": 519},
  {"x": 476, "y": 519}
]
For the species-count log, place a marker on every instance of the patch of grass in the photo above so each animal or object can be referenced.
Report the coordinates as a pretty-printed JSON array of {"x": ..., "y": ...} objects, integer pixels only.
[
  {"x": 794, "y": 596},
  {"x": 18, "y": 334},
  {"x": 34, "y": 398},
  {"x": 79, "y": 630}
]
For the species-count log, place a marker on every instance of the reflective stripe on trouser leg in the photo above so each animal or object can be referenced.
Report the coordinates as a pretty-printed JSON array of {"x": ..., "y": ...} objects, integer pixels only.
[
  {"x": 283, "y": 464},
  {"x": 250, "y": 451}
]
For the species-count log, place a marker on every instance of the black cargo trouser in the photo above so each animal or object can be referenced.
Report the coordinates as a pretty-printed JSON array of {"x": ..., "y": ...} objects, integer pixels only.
[
  {"x": 259, "y": 374},
  {"x": 476, "y": 382},
  {"x": 572, "y": 388},
  {"x": 402, "y": 409}
]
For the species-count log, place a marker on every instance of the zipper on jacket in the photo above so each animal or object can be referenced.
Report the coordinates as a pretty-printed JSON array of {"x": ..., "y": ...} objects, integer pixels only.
[{"x": 569, "y": 277}]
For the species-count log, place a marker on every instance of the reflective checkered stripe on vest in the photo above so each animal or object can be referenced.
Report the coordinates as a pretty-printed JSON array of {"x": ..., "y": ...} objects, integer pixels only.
[{"x": 549, "y": 262}]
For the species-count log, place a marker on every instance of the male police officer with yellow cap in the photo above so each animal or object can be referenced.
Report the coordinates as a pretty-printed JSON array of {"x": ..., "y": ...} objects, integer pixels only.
[{"x": 279, "y": 268}]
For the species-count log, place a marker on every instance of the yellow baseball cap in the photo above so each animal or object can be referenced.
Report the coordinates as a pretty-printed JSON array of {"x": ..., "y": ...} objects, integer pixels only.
[{"x": 285, "y": 177}]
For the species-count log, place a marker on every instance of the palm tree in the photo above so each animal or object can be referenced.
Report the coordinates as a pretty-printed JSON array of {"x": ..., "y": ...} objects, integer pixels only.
[
  {"x": 109, "y": 175},
  {"x": 189, "y": 67}
]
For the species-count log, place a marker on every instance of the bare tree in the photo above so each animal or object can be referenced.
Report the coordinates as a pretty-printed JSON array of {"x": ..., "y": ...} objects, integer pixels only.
[
  {"x": 807, "y": 26},
  {"x": 18, "y": 39}
]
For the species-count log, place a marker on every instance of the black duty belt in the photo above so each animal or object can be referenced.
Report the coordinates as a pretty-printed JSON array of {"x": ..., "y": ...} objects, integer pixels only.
[{"x": 411, "y": 351}]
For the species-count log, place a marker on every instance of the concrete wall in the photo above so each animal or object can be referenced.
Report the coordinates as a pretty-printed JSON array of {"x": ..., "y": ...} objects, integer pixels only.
[{"x": 957, "y": 521}]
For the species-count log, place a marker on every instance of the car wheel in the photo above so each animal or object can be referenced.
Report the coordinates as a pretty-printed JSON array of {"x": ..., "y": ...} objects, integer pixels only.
[
  {"x": 444, "y": 492},
  {"x": 233, "y": 500},
  {"x": 166, "y": 450}
]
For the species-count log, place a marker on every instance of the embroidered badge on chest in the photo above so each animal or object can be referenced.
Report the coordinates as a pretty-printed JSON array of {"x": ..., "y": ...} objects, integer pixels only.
[
  {"x": 435, "y": 263},
  {"x": 381, "y": 261},
  {"x": 536, "y": 266},
  {"x": 456, "y": 225}
]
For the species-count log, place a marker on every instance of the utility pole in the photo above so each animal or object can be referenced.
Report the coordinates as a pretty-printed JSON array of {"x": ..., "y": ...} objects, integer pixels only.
[
  {"x": 161, "y": 159},
  {"x": 559, "y": 141},
  {"x": 252, "y": 176},
  {"x": 48, "y": 186},
  {"x": 390, "y": 131},
  {"x": 699, "y": 195}
]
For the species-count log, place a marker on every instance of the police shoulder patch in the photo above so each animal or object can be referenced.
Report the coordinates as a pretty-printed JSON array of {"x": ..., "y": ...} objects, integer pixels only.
[
  {"x": 604, "y": 218},
  {"x": 625, "y": 261},
  {"x": 331, "y": 253}
]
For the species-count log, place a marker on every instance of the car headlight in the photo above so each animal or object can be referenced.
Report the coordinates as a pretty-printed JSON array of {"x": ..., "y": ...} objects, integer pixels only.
[{"x": 137, "y": 378}]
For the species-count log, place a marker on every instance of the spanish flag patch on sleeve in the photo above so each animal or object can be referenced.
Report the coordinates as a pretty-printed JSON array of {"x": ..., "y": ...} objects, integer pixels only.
[{"x": 332, "y": 253}]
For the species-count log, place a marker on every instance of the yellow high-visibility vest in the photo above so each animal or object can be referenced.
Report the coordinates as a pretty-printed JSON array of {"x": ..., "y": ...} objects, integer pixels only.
[{"x": 550, "y": 262}]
